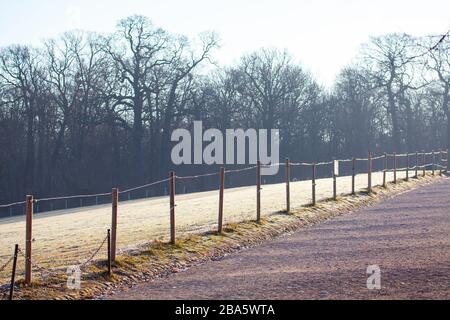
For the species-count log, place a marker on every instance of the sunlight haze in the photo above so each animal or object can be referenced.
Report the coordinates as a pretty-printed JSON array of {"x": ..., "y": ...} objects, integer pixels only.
[{"x": 324, "y": 35}]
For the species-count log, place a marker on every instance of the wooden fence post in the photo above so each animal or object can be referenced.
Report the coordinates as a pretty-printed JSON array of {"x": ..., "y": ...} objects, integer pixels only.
[
  {"x": 353, "y": 175},
  {"x": 407, "y": 166},
  {"x": 369, "y": 167},
  {"x": 417, "y": 165},
  {"x": 433, "y": 160},
  {"x": 424, "y": 159},
  {"x": 221, "y": 192},
  {"x": 13, "y": 274},
  {"x": 29, "y": 239},
  {"x": 314, "y": 184},
  {"x": 334, "y": 183},
  {"x": 440, "y": 162},
  {"x": 443, "y": 167},
  {"x": 446, "y": 163},
  {"x": 385, "y": 169},
  {"x": 115, "y": 203},
  {"x": 109, "y": 252},
  {"x": 258, "y": 192},
  {"x": 288, "y": 181},
  {"x": 172, "y": 207},
  {"x": 395, "y": 166}
]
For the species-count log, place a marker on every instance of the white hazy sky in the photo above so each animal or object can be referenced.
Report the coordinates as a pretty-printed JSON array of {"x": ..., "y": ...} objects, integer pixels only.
[{"x": 324, "y": 35}]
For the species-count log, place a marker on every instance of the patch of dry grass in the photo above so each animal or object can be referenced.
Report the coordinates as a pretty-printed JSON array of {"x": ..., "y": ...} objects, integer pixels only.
[
  {"x": 64, "y": 238},
  {"x": 158, "y": 258}
]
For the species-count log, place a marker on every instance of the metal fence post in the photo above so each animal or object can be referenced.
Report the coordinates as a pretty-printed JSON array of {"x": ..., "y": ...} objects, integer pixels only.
[
  {"x": 109, "y": 251},
  {"x": 258, "y": 192},
  {"x": 288, "y": 191},
  {"x": 29, "y": 239},
  {"x": 221, "y": 192},
  {"x": 13, "y": 274},
  {"x": 115, "y": 203},
  {"x": 172, "y": 207},
  {"x": 385, "y": 169}
]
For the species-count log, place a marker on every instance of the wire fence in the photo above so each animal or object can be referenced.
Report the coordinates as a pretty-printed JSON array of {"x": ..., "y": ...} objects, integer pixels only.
[{"x": 195, "y": 212}]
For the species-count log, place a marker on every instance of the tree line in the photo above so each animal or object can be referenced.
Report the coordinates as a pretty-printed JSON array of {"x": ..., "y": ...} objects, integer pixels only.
[{"x": 85, "y": 112}]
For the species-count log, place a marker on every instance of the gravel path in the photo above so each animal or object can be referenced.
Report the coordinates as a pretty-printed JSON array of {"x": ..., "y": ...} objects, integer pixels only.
[{"x": 406, "y": 236}]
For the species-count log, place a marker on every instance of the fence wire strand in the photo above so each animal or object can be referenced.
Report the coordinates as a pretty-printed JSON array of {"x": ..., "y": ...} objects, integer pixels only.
[
  {"x": 47, "y": 272},
  {"x": 227, "y": 171},
  {"x": 3, "y": 267},
  {"x": 145, "y": 186},
  {"x": 72, "y": 197},
  {"x": 12, "y": 204},
  {"x": 92, "y": 257}
]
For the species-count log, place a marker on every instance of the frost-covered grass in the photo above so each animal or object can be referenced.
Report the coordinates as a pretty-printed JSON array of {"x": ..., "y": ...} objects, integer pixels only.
[{"x": 68, "y": 237}]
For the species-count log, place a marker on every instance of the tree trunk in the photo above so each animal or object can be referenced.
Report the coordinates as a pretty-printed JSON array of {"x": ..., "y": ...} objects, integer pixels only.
[
  {"x": 137, "y": 136},
  {"x": 394, "y": 116},
  {"x": 445, "y": 107}
]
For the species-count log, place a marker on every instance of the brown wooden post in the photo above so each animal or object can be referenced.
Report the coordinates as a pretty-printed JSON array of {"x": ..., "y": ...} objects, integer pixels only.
[
  {"x": 417, "y": 165},
  {"x": 385, "y": 169},
  {"x": 443, "y": 161},
  {"x": 369, "y": 167},
  {"x": 334, "y": 184},
  {"x": 446, "y": 163},
  {"x": 13, "y": 274},
  {"x": 353, "y": 175},
  {"x": 288, "y": 181},
  {"x": 258, "y": 192},
  {"x": 395, "y": 166},
  {"x": 172, "y": 207},
  {"x": 424, "y": 159},
  {"x": 407, "y": 166},
  {"x": 109, "y": 252},
  {"x": 433, "y": 160},
  {"x": 221, "y": 192},
  {"x": 29, "y": 239},
  {"x": 314, "y": 184},
  {"x": 115, "y": 203}
]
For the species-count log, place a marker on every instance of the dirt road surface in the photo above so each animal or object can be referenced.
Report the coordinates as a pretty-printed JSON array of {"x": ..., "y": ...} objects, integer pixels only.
[{"x": 407, "y": 236}]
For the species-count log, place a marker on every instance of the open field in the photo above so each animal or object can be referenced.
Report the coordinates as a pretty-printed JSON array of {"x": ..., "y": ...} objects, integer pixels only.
[{"x": 68, "y": 237}]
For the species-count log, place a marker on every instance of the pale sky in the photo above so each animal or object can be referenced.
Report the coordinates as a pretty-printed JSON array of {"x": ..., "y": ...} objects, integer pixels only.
[{"x": 324, "y": 35}]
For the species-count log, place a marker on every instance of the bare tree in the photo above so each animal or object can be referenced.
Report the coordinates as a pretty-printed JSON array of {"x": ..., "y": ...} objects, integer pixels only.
[
  {"x": 389, "y": 60},
  {"x": 439, "y": 64}
]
